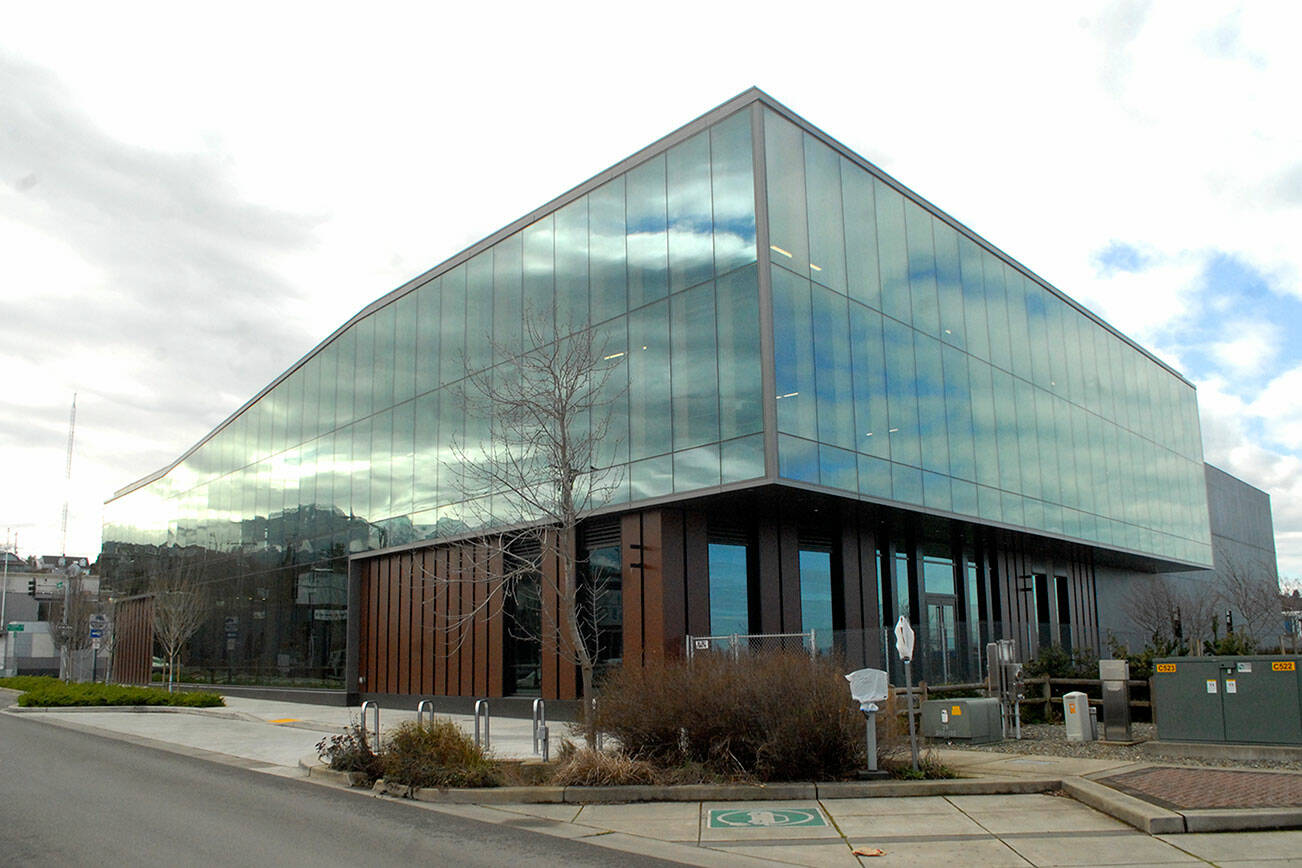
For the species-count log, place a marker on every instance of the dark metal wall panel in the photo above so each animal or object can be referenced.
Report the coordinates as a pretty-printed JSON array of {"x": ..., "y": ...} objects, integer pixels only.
[
  {"x": 789, "y": 573},
  {"x": 673, "y": 581},
  {"x": 653, "y": 589},
  {"x": 696, "y": 572},
  {"x": 631, "y": 561},
  {"x": 852, "y": 576},
  {"x": 768, "y": 554}
]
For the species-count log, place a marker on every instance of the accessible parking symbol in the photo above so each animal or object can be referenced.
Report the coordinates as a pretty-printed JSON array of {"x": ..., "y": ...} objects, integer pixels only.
[{"x": 765, "y": 818}]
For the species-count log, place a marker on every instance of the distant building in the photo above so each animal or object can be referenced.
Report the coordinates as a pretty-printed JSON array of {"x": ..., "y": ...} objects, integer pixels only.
[{"x": 842, "y": 406}]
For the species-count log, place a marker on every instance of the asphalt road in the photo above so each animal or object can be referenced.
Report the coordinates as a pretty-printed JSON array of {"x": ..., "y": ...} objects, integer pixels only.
[{"x": 69, "y": 798}]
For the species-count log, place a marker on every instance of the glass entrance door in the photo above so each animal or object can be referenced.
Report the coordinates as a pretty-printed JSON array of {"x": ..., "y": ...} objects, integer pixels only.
[{"x": 942, "y": 639}]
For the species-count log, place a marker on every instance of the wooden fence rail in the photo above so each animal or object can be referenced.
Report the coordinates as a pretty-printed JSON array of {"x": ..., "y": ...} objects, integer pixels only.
[{"x": 1038, "y": 691}]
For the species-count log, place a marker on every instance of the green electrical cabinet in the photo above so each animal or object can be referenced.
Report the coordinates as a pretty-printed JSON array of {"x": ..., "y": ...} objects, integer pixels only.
[{"x": 1253, "y": 700}]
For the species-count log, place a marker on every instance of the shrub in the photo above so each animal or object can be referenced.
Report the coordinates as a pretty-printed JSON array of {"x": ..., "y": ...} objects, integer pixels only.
[
  {"x": 56, "y": 694},
  {"x": 585, "y": 767},
  {"x": 27, "y": 682},
  {"x": 350, "y": 751},
  {"x": 1057, "y": 662},
  {"x": 436, "y": 754},
  {"x": 782, "y": 716}
]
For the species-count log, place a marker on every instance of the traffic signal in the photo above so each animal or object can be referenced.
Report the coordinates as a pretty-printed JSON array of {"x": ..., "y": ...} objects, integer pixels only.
[{"x": 31, "y": 587}]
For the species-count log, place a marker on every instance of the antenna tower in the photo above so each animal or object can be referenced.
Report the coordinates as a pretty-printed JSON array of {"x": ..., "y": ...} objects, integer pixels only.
[{"x": 67, "y": 477}]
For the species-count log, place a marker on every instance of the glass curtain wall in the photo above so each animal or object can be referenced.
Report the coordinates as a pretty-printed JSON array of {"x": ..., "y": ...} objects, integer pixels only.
[
  {"x": 914, "y": 365},
  {"x": 362, "y": 445}
]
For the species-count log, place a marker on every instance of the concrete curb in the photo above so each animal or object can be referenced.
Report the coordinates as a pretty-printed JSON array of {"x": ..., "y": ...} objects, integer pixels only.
[
  {"x": 779, "y": 792},
  {"x": 1223, "y": 751},
  {"x": 136, "y": 709},
  {"x": 1144, "y": 816},
  {"x": 1242, "y": 819}
]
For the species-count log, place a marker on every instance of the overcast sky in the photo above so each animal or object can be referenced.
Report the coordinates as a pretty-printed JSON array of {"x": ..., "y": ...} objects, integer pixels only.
[{"x": 191, "y": 197}]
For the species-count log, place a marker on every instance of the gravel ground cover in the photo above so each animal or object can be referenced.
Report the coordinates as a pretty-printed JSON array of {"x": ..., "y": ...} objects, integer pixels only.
[{"x": 1048, "y": 739}]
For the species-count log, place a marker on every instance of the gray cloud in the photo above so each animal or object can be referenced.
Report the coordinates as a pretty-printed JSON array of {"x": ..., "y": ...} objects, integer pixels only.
[
  {"x": 171, "y": 314},
  {"x": 185, "y": 295}
]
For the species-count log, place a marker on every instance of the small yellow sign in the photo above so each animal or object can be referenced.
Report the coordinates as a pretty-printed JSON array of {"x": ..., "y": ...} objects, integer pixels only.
[
  {"x": 1165, "y": 667},
  {"x": 1283, "y": 666},
  {"x": 956, "y": 710}
]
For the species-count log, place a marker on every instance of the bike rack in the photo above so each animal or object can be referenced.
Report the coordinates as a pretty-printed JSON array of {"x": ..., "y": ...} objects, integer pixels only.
[
  {"x": 423, "y": 706},
  {"x": 539, "y": 721},
  {"x": 481, "y": 708},
  {"x": 376, "y": 708}
]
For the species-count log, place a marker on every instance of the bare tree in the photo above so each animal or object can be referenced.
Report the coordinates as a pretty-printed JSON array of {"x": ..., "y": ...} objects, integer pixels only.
[
  {"x": 1247, "y": 588},
  {"x": 544, "y": 460},
  {"x": 180, "y": 606},
  {"x": 1161, "y": 609}
]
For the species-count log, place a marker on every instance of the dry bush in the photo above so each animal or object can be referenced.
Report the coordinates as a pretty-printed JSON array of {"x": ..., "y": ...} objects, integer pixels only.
[
  {"x": 780, "y": 716},
  {"x": 588, "y": 767},
  {"x": 436, "y": 754}
]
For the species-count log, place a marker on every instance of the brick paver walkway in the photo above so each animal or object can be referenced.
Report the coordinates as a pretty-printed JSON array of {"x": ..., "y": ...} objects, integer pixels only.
[{"x": 1186, "y": 788}]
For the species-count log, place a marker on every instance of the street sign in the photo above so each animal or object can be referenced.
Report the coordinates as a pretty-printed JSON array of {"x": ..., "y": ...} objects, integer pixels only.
[
  {"x": 15, "y": 628},
  {"x": 98, "y": 621},
  {"x": 94, "y": 644},
  {"x": 95, "y": 634},
  {"x": 904, "y": 638}
]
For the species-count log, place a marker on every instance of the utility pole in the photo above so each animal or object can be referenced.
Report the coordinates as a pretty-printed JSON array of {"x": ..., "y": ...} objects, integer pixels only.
[{"x": 4, "y": 606}]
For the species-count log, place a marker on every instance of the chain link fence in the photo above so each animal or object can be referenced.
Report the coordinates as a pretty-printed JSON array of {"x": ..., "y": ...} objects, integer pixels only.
[{"x": 739, "y": 645}]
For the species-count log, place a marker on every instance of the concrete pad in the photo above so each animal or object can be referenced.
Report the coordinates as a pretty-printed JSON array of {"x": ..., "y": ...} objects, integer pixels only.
[
  {"x": 886, "y": 806},
  {"x": 1053, "y": 849},
  {"x": 1077, "y": 818},
  {"x": 1016, "y": 802},
  {"x": 813, "y": 854},
  {"x": 650, "y": 811},
  {"x": 909, "y": 825},
  {"x": 664, "y": 821},
  {"x": 680, "y": 853},
  {"x": 976, "y": 853},
  {"x": 1225, "y": 847}
]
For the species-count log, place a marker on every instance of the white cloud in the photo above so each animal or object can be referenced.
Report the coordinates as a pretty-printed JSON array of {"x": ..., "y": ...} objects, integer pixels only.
[{"x": 190, "y": 225}]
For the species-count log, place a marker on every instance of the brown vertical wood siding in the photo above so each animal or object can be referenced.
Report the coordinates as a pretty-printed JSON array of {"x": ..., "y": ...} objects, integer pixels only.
[{"x": 133, "y": 640}]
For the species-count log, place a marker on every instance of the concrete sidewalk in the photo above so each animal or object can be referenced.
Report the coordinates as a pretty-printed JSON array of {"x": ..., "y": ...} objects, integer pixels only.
[{"x": 814, "y": 829}]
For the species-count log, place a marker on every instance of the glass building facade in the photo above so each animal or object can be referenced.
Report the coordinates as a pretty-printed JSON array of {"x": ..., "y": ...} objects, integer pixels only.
[{"x": 911, "y": 364}]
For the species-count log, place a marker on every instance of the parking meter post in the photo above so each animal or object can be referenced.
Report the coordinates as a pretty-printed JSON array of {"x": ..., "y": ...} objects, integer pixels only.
[
  {"x": 870, "y": 739},
  {"x": 913, "y": 735}
]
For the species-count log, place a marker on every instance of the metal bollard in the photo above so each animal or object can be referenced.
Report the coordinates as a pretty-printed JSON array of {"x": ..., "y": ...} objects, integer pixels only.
[
  {"x": 481, "y": 708},
  {"x": 376, "y": 708},
  {"x": 539, "y": 721},
  {"x": 421, "y": 707},
  {"x": 546, "y": 744}
]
